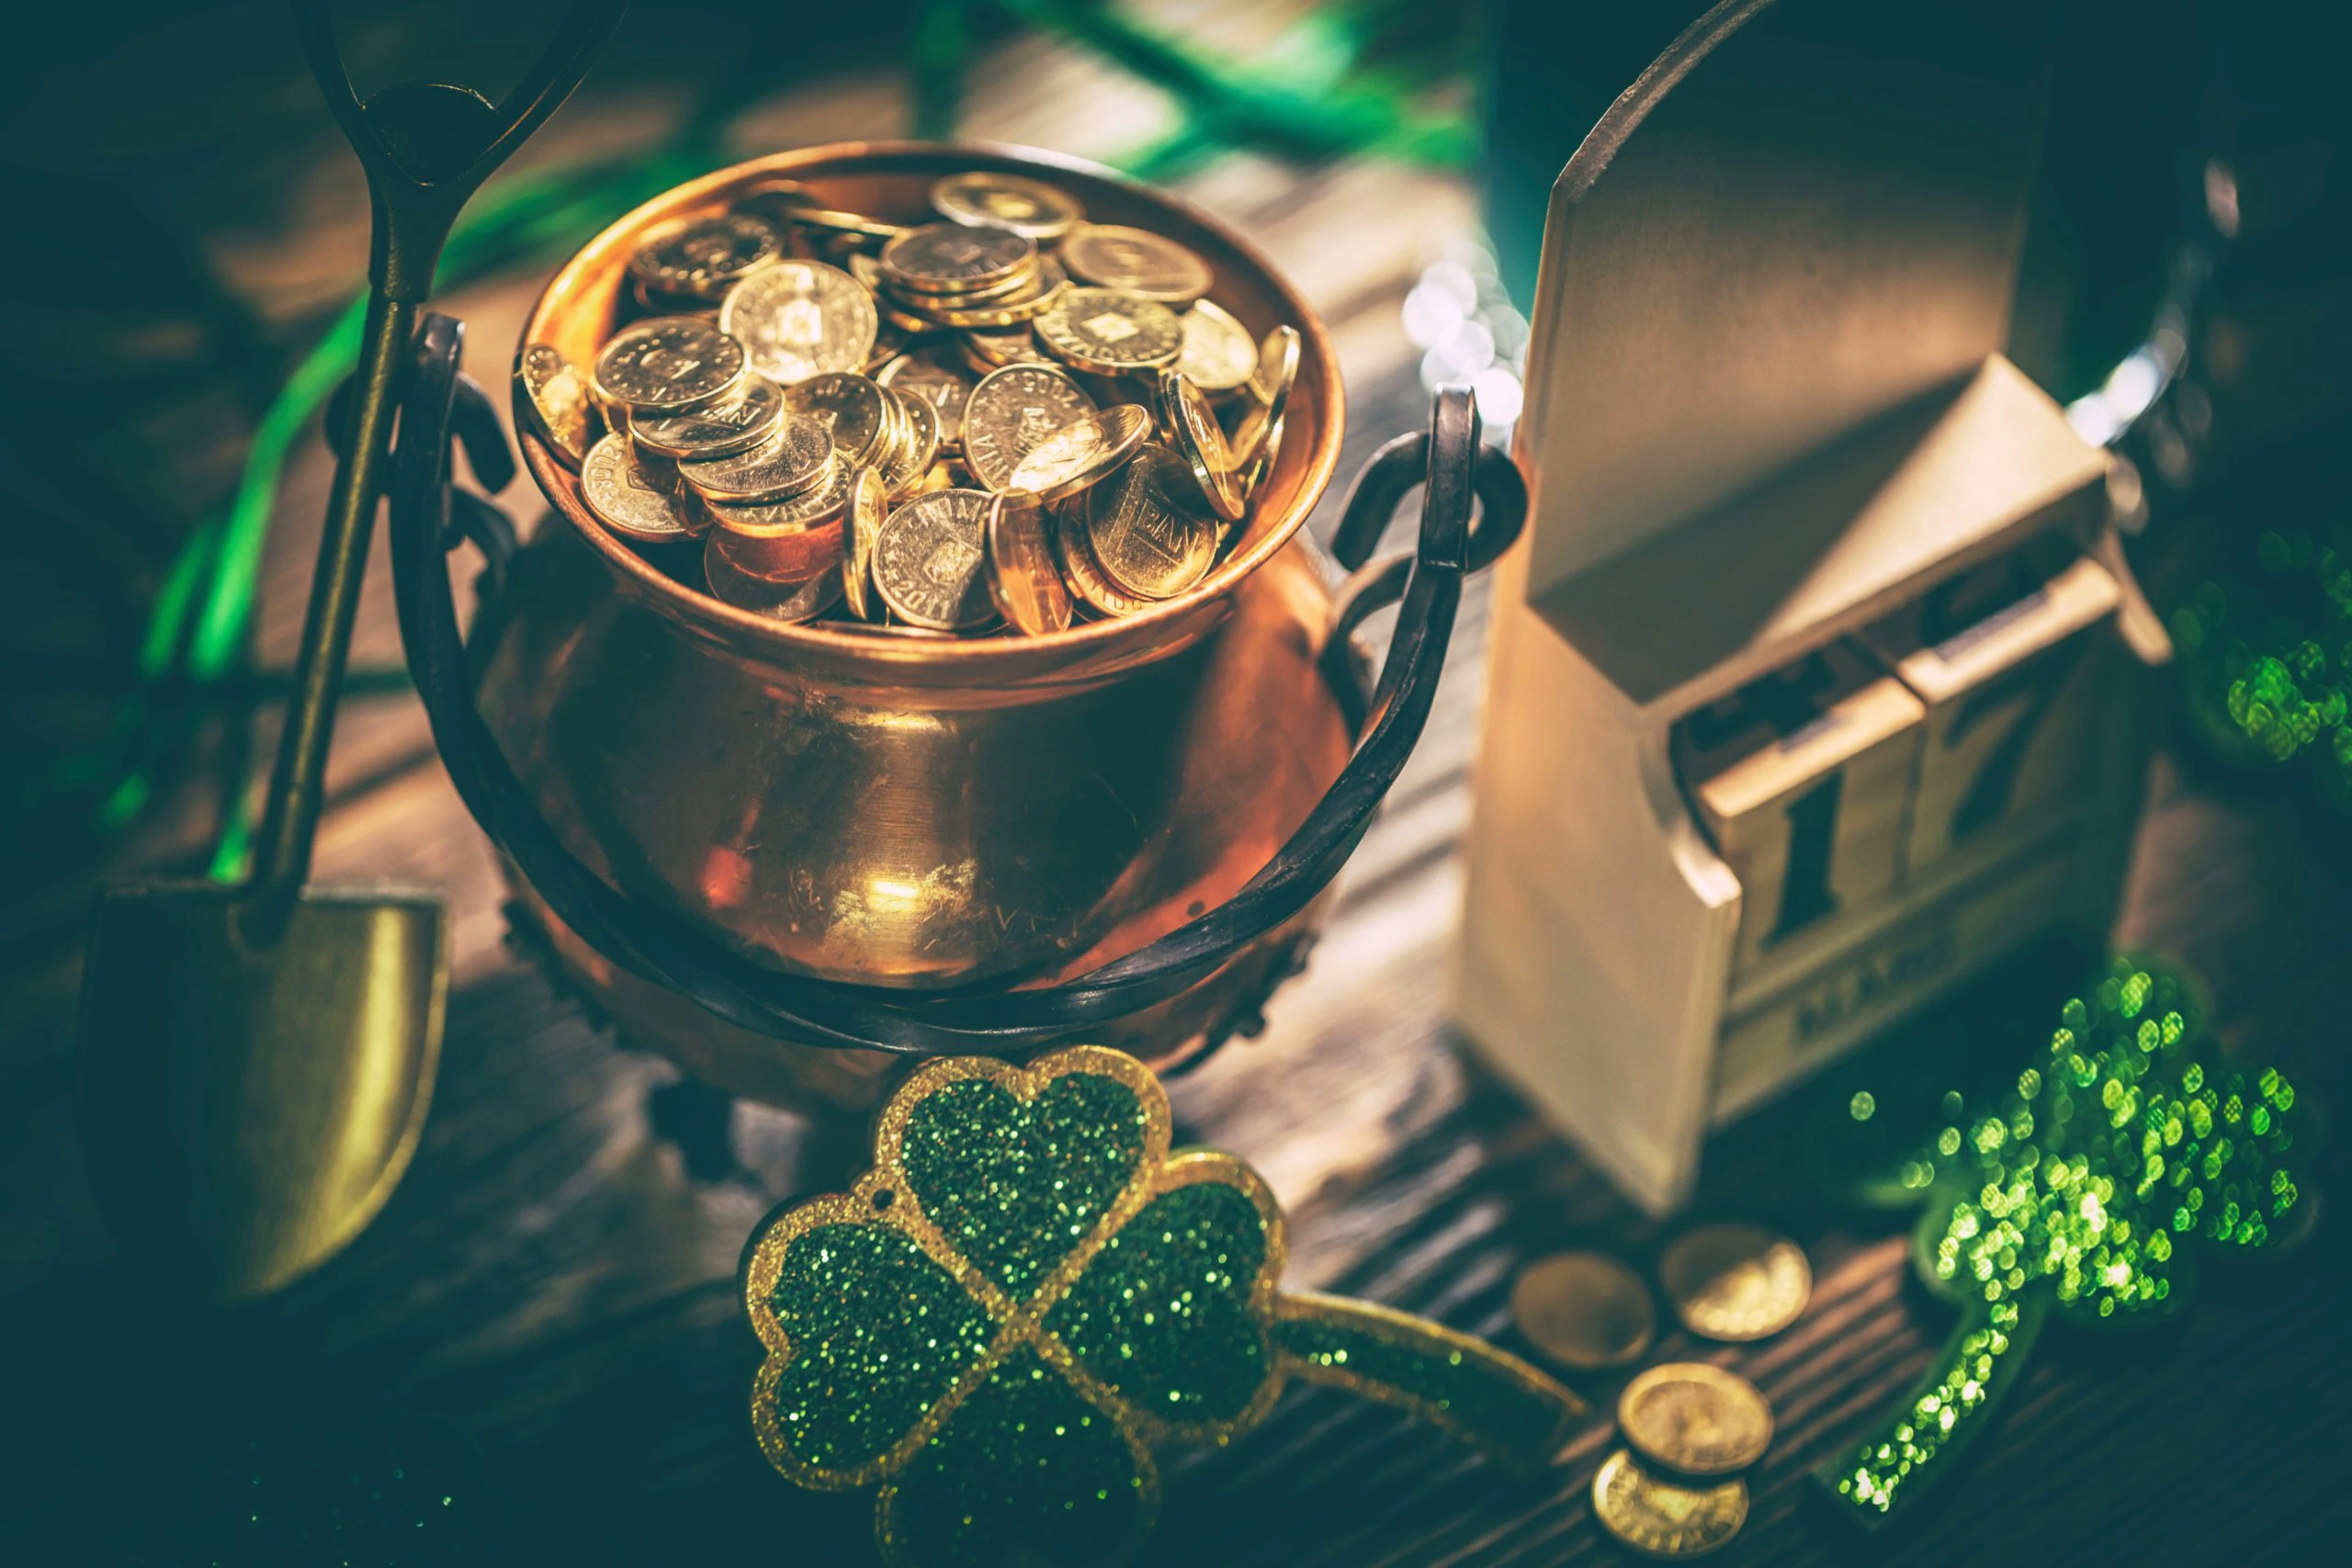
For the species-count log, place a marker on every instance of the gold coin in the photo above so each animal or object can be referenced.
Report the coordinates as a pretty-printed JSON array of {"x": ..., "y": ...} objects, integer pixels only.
[
  {"x": 993, "y": 350},
  {"x": 867, "y": 507},
  {"x": 1200, "y": 441},
  {"x": 1037, "y": 293},
  {"x": 1144, "y": 529},
  {"x": 1696, "y": 1419},
  {"x": 929, "y": 376},
  {"x": 931, "y": 561},
  {"x": 1659, "y": 1518},
  {"x": 949, "y": 258},
  {"x": 783, "y": 200},
  {"x": 670, "y": 365},
  {"x": 1010, "y": 412},
  {"x": 700, "y": 257},
  {"x": 793, "y": 459},
  {"x": 787, "y": 601},
  {"x": 799, "y": 318},
  {"x": 716, "y": 432},
  {"x": 795, "y": 515},
  {"x": 1083, "y": 572},
  {"x": 1021, "y": 279},
  {"x": 856, "y": 412},
  {"x": 1025, "y": 579},
  {"x": 1007, "y": 202},
  {"x": 1110, "y": 332},
  {"x": 904, "y": 465},
  {"x": 1137, "y": 261},
  {"x": 636, "y": 497},
  {"x": 1268, "y": 392},
  {"x": 1735, "y": 1281},
  {"x": 1261, "y": 465},
  {"x": 1584, "y": 1310},
  {"x": 1083, "y": 453},
  {"x": 1218, "y": 355},
  {"x": 557, "y": 398}
]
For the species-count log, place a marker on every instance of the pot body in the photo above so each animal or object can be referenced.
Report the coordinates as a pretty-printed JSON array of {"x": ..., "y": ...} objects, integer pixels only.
[{"x": 913, "y": 812}]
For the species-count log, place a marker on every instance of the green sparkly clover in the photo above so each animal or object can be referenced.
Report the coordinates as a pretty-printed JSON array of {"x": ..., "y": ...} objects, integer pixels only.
[
  {"x": 2088, "y": 1192},
  {"x": 1028, "y": 1293}
]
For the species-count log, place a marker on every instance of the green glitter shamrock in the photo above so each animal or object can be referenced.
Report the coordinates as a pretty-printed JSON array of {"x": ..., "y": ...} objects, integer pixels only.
[
  {"x": 1027, "y": 1294},
  {"x": 2088, "y": 1192}
]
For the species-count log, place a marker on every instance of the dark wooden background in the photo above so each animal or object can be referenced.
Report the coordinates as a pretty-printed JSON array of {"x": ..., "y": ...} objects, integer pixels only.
[{"x": 546, "y": 1318}]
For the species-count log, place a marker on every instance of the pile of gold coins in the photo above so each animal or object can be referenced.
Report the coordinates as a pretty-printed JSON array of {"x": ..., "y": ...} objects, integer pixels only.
[
  {"x": 1691, "y": 1431},
  {"x": 1008, "y": 420}
]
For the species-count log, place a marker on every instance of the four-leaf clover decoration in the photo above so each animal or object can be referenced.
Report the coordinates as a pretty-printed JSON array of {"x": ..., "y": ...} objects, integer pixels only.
[{"x": 1028, "y": 1293}]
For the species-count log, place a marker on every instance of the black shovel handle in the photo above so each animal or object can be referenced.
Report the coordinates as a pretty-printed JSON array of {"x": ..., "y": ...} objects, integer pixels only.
[{"x": 1457, "y": 471}]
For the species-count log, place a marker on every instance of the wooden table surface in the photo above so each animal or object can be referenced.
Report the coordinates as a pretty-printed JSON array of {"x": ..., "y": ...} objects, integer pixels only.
[{"x": 547, "y": 1312}]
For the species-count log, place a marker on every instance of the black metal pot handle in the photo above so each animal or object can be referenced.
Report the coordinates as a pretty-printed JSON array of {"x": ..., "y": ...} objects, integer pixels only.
[{"x": 656, "y": 945}]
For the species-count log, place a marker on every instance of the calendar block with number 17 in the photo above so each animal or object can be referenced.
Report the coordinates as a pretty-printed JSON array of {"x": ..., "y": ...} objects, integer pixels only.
[{"x": 1815, "y": 683}]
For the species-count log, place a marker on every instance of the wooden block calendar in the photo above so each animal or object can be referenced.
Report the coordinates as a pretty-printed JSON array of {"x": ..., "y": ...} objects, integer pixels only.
[{"x": 1812, "y": 685}]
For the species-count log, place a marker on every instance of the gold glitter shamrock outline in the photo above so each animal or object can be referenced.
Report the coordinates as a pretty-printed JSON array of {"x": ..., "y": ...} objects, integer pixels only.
[{"x": 1307, "y": 1335}]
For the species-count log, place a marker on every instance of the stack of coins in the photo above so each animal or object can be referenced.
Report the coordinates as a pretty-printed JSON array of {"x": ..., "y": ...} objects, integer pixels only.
[
  {"x": 1691, "y": 1430},
  {"x": 1003, "y": 420}
]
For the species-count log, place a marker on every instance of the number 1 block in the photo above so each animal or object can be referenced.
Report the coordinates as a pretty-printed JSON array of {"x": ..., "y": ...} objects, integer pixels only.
[
  {"x": 1801, "y": 779},
  {"x": 2007, "y": 660}
]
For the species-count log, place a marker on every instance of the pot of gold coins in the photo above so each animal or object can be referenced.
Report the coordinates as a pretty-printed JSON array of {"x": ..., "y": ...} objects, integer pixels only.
[{"x": 923, "y": 653}]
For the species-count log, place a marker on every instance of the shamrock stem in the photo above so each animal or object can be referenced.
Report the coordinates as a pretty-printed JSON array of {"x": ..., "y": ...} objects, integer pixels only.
[
  {"x": 1924, "y": 1434},
  {"x": 1485, "y": 1396}
]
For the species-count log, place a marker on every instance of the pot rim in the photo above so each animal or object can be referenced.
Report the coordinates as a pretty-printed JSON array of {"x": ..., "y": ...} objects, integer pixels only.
[{"x": 1091, "y": 648}]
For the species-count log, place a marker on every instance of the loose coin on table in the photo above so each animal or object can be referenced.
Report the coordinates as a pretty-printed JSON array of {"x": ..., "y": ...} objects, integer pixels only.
[
  {"x": 638, "y": 497},
  {"x": 1584, "y": 1310},
  {"x": 669, "y": 364},
  {"x": 1137, "y": 261},
  {"x": 1219, "y": 355},
  {"x": 796, "y": 319},
  {"x": 1110, "y": 332},
  {"x": 1200, "y": 441},
  {"x": 1007, "y": 202},
  {"x": 1083, "y": 453},
  {"x": 557, "y": 398},
  {"x": 1660, "y": 1519},
  {"x": 1144, "y": 530},
  {"x": 1695, "y": 1419},
  {"x": 1010, "y": 412},
  {"x": 701, "y": 257},
  {"x": 792, "y": 458},
  {"x": 1735, "y": 1281},
  {"x": 1024, "y": 579},
  {"x": 717, "y": 431},
  {"x": 931, "y": 561}
]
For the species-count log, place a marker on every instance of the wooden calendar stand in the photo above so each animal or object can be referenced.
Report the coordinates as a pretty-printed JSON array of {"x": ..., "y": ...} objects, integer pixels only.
[{"x": 1785, "y": 486}]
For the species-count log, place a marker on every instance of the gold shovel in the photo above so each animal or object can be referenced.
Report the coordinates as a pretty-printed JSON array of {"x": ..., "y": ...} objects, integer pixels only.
[{"x": 256, "y": 1060}]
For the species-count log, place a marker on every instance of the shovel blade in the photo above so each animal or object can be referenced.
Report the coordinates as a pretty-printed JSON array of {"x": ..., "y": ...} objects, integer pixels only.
[{"x": 248, "y": 1106}]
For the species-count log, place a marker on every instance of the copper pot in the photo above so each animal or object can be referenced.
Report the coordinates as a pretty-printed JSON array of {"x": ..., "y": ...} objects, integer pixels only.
[{"x": 909, "y": 813}]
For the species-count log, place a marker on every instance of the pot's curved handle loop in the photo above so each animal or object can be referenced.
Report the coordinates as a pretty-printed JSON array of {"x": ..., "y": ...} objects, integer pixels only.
[
  {"x": 1372, "y": 585},
  {"x": 661, "y": 947}
]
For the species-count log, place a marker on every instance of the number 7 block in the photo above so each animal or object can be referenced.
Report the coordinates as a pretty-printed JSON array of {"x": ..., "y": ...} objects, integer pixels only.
[{"x": 2007, "y": 660}]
